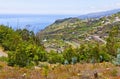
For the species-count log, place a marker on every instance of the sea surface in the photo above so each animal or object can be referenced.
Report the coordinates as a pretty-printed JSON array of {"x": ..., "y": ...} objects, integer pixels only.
[{"x": 31, "y": 22}]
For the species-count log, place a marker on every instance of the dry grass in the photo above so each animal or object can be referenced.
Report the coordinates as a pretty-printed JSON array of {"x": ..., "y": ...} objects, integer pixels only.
[{"x": 78, "y": 71}]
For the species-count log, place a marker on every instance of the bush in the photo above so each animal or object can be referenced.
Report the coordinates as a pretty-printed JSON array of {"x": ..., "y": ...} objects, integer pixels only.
[
  {"x": 69, "y": 53},
  {"x": 55, "y": 58},
  {"x": 25, "y": 55}
]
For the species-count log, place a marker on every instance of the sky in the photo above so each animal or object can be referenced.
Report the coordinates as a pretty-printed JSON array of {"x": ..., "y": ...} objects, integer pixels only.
[{"x": 75, "y": 7}]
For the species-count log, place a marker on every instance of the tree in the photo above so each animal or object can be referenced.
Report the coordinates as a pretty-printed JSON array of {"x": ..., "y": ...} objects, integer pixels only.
[
  {"x": 69, "y": 53},
  {"x": 8, "y": 38},
  {"x": 112, "y": 41},
  {"x": 83, "y": 53},
  {"x": 55, "y": 57}
]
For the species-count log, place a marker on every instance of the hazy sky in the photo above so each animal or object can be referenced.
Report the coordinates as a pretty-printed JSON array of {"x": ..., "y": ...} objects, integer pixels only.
[{"x": 56, "y": 6}]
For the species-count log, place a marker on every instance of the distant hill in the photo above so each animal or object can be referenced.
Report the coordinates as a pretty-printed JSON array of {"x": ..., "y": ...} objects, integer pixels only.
[{"x": 99, "y": 14}]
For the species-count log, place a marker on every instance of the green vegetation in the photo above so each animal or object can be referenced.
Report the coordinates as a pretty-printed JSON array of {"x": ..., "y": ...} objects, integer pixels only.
[
  {"x": 23, "y": 47},
  {"x": 68, "y": 37},
  {"x": 24, "y": 50}
]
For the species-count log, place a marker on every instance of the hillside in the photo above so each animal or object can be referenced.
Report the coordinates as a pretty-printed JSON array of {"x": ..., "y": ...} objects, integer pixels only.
[
  {"x": 82, "y": 49},
  {"x": 29, "y": 60},
  {"x": 73, "y": 31}
]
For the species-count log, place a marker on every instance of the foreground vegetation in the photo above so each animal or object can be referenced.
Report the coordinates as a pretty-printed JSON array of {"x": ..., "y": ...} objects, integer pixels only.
[{"x": 25, "y": 50}]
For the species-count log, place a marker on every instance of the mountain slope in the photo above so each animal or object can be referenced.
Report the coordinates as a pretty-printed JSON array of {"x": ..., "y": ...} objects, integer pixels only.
[{"x": 73, "y": 31}]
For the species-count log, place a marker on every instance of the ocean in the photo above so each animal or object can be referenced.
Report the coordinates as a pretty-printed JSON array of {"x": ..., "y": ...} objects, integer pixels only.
[{"x": 31, "y": 22}]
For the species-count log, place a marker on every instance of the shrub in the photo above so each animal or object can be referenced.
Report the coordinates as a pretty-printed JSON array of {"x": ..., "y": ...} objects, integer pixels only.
[
  {"x": 69, "y": 53},
  {"x": 55, "y": 57}
]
